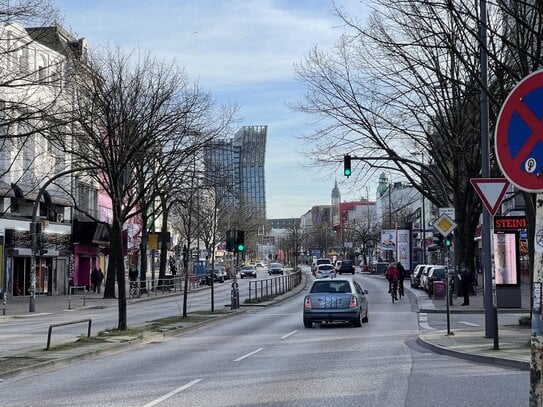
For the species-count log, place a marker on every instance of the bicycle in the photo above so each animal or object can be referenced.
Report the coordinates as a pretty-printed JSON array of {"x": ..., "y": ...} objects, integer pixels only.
[
  {"x": 401, "y": 292},
  {"x": 393, "y": 289}
]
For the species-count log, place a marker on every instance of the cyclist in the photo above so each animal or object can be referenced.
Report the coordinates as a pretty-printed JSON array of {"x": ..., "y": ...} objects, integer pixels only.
[{"x": 392, "y": 276}]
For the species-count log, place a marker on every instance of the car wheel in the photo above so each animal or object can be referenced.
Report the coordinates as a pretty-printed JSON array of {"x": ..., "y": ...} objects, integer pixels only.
[
  {"x": 308, "y": 323},
  {"x": 358, "y": 322},
  {"x": 242, "y": 277},
  {"x": 352, "y": 272},
  {"x": 365, "y": 319}
]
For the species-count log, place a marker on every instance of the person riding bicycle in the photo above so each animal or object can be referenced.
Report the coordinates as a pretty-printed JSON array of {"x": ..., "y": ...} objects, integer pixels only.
[{"x": 392, "y": 276}]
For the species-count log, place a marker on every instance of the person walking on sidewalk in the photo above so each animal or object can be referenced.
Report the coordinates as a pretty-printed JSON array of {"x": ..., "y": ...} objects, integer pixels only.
[
  {"x": 466, "y": 280},
  {"x": 401, "y": 275},
  {"x": 96, "y": 279}
]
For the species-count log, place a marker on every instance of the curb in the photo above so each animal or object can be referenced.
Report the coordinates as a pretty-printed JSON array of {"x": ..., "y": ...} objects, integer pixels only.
[{"x": 515, "y": 364}]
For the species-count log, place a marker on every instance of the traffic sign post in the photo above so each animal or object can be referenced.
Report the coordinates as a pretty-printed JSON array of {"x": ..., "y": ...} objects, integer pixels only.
[
  {"x": 519, "y": 152},
  {"x": 445, "y": 225}
]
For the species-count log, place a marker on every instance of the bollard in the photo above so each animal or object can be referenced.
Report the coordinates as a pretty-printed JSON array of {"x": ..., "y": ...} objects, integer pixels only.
[{"x": 234, "y": 296}]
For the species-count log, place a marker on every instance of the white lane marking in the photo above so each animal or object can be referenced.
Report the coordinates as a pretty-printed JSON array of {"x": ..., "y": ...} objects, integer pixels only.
[
  {"x": 423, "y": 317},
  {"x": 247, "y": 355},
  {"x": 172, "y": 393},
  {"x": 287, "y": 335},
  {"x": 468, "y": 323},
  {"x": 425, "y": 325}
]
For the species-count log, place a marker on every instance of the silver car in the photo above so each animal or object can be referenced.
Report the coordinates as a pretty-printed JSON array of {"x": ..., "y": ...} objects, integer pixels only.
[
  {"x": 335, "y": 299},
  {"x": 325, "y": 270}
]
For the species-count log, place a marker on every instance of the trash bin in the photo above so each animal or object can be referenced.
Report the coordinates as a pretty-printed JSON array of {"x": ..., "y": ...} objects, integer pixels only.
[{"x": 439, "y": 290}]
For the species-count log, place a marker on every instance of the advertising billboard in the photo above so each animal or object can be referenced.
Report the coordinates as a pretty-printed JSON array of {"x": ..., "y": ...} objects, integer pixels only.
[{"x": 506, "y": 259}]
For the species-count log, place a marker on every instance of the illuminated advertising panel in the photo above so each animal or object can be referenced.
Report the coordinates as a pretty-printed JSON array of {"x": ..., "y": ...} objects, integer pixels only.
[{"x": 506, "y": 259}]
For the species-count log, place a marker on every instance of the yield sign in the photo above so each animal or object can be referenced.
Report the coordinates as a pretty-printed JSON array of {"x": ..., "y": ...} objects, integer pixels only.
[
  {"x": 491, "y": 191},
  {"x": 519, "y": 134}
]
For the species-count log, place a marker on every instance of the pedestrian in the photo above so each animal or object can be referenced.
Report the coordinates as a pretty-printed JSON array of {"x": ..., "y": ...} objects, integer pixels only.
[
  {"x": 401, "y": 276},
  {"x": 96, "y": 279},
  {"x": 132, "y": 273},
  {"x": 466, "y": 280},
  {"x": 392, "y": 276}
]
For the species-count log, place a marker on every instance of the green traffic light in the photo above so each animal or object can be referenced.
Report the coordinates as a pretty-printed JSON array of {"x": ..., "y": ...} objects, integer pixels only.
[
  {"x": 241, "y": 247},
  {"x": 347, "y": 172}
]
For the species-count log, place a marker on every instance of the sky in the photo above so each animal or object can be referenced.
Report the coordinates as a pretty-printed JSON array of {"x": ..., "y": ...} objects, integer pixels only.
[{"x": 243, "y": 52}]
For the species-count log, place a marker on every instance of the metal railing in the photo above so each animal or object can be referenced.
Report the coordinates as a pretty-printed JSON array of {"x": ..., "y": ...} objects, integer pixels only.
[
  {"x": 80, "y": 321},
  {"x": 270, "y": 287},
  {"x": 158, "y": 286},
  {"x": 70, "y": 290}
]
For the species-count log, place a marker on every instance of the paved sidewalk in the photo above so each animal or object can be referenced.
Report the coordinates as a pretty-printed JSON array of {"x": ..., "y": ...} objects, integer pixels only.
[{"x": 470, "y": 342}]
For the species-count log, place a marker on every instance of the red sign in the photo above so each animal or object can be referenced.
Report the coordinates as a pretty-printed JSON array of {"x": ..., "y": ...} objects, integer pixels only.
[
  {"x": 491, "y": 191},
  {"x": 519, "y": 134},
  {"x": 504, "y": 223}
]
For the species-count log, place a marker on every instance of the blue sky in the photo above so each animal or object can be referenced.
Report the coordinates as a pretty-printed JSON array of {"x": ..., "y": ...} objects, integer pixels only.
[{"x": 243, "y": 51}]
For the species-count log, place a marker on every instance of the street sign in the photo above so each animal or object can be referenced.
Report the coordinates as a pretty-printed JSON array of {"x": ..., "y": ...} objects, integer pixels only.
[
  {"x": 449, "y": 211},
  {"x": 491, "y": 191},
  {"x": 445, "y": 225},
  {"x": 519, "y": 134}
]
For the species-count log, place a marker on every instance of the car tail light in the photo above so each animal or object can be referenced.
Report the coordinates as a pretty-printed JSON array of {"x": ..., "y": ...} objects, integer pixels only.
[
  {"x": 307, "y": 302},
  {"x": 354, "y": 302}
]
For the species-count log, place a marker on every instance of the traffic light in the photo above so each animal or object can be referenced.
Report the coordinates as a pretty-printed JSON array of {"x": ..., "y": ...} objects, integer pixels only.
[
  {"x": 448, "y": 240},
  {"x": 347, "y": 165},
  {"x": 231, "y": 237},
  {"x": 240, "y": 241}
]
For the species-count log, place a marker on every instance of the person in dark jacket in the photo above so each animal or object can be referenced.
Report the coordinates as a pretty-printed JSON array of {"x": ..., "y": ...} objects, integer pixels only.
[
  {"x": 96, "y": 279},
  {"x": 401, "y": 276},
  {"x": 466, "y": 280}
]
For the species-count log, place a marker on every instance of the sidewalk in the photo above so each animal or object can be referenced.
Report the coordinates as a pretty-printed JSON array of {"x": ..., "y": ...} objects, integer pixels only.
[{"x": 470, "y": 342}]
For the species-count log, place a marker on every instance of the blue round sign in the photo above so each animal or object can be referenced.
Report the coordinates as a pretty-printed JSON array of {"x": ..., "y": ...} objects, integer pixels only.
[{"x": 519, "y": 134}]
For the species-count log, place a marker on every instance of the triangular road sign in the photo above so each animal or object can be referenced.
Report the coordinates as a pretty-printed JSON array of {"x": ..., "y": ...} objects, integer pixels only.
[{"x": 491, "y": 191}]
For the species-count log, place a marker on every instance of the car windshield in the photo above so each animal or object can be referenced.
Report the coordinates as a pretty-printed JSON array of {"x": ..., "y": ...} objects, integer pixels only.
[
  {"x": 247, "y": 268},
  {"x": 326, "y": 267},
  {"x": 275, "y": 265}
]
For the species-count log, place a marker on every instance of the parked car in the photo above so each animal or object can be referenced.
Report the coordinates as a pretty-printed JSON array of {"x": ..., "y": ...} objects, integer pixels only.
[
  {"x": 275, "y": 268},
  {"x": 424, "y": 276},
  {"x": 219, "y": 274},
  {"x": 415, "y": 275},
  {"x": 436, "y": 273},
  {"x": 325, "y": 270},
  {"x": 317, "y": 262},
  {"x": 346, "y": 266},
  {"x": 335, "y": 299},
  {"x": 248, "y": 271}
]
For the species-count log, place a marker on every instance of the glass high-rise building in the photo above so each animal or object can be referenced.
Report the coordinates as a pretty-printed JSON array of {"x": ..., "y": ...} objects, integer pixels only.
[{"x": 237, "y": 165}]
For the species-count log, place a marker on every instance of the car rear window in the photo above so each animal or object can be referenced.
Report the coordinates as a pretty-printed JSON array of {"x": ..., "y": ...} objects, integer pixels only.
[
  {"x": 331, "y": 287},
  {"x": 326, "y": 267}
]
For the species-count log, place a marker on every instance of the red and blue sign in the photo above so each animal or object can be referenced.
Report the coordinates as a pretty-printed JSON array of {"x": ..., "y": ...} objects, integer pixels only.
[{"x": 519, "y": 134}]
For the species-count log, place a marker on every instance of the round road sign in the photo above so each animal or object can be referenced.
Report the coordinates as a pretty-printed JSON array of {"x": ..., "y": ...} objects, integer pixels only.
[{"x": 519, "y": 134}]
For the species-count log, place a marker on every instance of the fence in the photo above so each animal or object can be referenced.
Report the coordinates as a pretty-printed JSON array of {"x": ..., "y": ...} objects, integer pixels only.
[
  {"x": 269, "y": 287},
  {"x": 159, "y": 286}
]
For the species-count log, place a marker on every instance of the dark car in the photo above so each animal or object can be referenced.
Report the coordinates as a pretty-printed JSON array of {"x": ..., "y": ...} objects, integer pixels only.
[
  {"x": 248, "y": 271},
  {"x": 335, "y": 299},
  {"x": 346, "y": 266},
  {"x": 275, "y": 268}
]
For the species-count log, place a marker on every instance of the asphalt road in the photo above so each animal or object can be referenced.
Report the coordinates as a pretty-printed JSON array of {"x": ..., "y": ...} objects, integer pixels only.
[{"x": 264, "y": 357}]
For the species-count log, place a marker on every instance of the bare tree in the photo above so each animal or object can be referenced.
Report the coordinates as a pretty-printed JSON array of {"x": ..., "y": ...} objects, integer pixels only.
[{"x": 130, "y": 110}]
